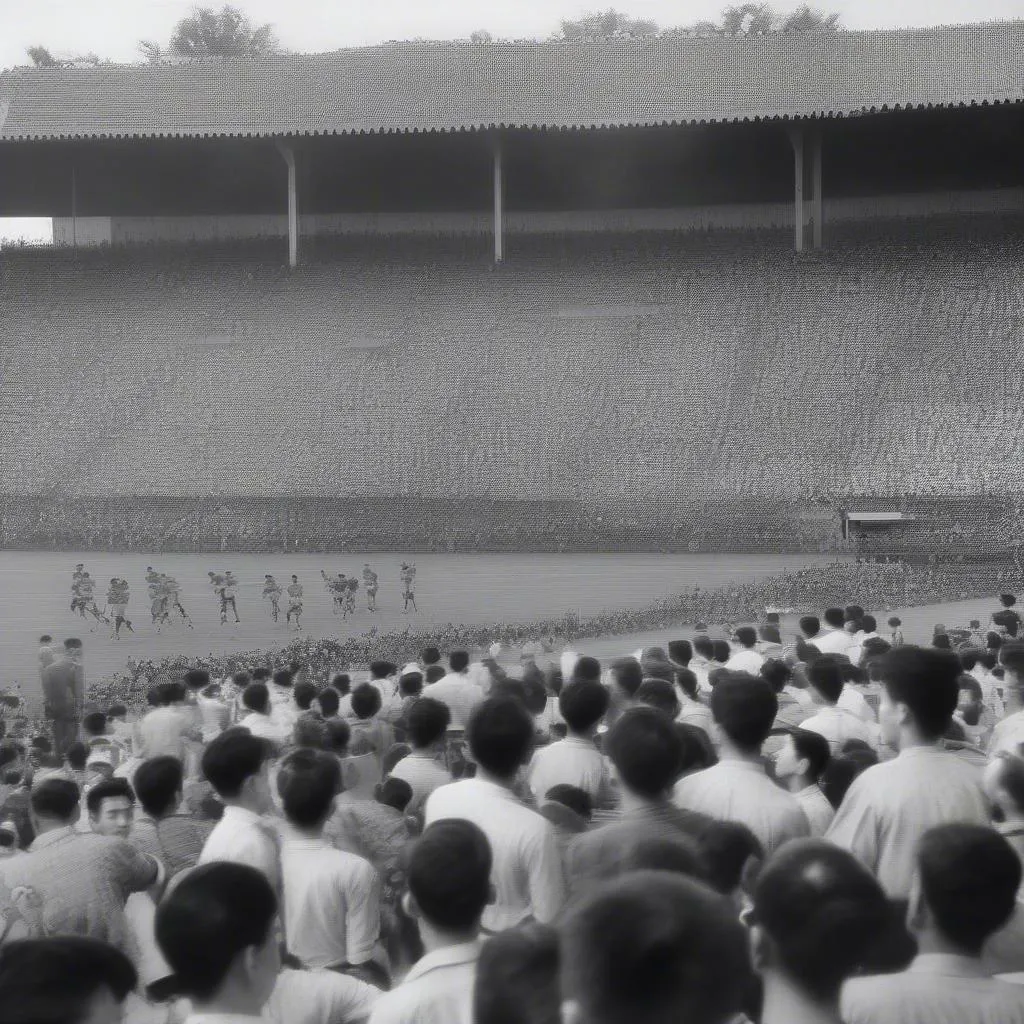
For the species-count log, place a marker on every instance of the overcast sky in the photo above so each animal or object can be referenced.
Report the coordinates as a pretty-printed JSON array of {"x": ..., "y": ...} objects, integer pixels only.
[{"x": 112, "y": 28}]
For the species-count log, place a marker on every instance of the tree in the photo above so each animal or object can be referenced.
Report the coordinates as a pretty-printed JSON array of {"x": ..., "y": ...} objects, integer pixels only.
[
  {"x": 808, "y": 19},
  {"x": 210, "y": 33},
  {"x": 755, "y": 19},
  {"x": 610, "y": 24},
  {"x": 481, "y": 35},
  {"x": 42, "y": 58},
  {"x": 747, "y": 20}
]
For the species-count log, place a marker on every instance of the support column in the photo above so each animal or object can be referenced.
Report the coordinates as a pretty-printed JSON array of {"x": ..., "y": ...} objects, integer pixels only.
[
  {"x": 288, "y": 153},
  {"x": 74, "y": 208},
  {"x": 499, "y": 204},
  {"x": 796, "y": 137},
  {"x": 817, "y": 216}
]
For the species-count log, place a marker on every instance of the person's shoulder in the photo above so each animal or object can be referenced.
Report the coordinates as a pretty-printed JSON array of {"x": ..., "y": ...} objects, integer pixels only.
[
  {"x": 861, "y": 996},
  {"x": 402, "y": 1005}
]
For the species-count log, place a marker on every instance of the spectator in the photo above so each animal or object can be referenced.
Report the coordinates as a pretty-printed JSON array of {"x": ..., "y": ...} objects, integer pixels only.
[
  {"x": 517, "y": 978},
  {"x": 281, "y": 701},
  {"x": 732, "y": 856},
  {"x": 163, "y": 732},
  {"x": 691, "y": 709},
  {"x": 835, "y": 639},
  {"x": 660, "y": 695},
  {"x": 62, "y": 695},
  {"x": 746, "y": 658},
  {"x": 328, "y": 701},
  {"x": 624, "y": 679},
  {"x": 259, "y": 721},
  {"x": 569, "y": 809},
  {"x": 457, "y": 691},
  {"x": 1009, "y": 733},
  {"x": 369, "y": 730},
  {"x": 800, "y": 765},
  {"x": 111, "y": 806},
  {"x": 426, "y": 724},
  {"x": 826, "y": 678}
]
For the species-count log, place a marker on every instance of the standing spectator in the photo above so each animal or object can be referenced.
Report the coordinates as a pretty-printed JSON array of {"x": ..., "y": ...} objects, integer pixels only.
[
  {"x": 457, "y": 690},
  {"x": 624, "y": 678},
  {"x": 527, "y": 867},
  {"x": 369, "y": 731},
  {"x": 826, "y": 679},
  {"x": 166, "y": 729},
  {"x": 111, "y": 806},
  {"x": 692, "y": 711},
  {"x": 517, "y": 978},
  {"x": 426, "y": 725},
  {"x": 1009, "y": 733},
  {"x": 281, "y": 698},
  {"x": 835, "y": 639},
  {"x": 746, "y": 658},
  {"x": 891, "y": 805},
  {"x": 259, "y": 721},
  {"x": 799, "y": 765},
  {"x": 47, "y": 655},
  {"x": 62, "y": 696}
]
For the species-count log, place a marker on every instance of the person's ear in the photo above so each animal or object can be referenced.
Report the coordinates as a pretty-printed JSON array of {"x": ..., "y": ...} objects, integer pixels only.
[
  {"x": 803, "y": 766},
  {"x": 761, "y": 948},
  {"x": 571, "y": 1013},
  {"x": 903, "y": 714},
  {"x": 410, "y": 906}
]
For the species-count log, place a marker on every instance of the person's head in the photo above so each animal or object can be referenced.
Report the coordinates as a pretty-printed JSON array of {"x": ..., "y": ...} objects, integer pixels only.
[
  {"x": 63, "y": 980},
  {"x": 968, "y": 658},
  {"x": 838, "y": 777},
  {"x": 501, "y": 736},
  {"x": 920, "y": 690},
  {"x": 769, "y": 634},
  {"x": 853, "y": 613},
  {"x": 941, "y": 642},
  {"x": 704, "y": 646},
  {"x": 256, "y": 698},
  {"x": 697, "y": 752},
  {"x": 576, "y": 799},
  {"x": 803, "y": 756},
  {"x": 338, "y": 736},
  {"x": 46, "y": 639},
  {"x": 430, "y": 656},
  {"x": 810, "y": 626},
  {"x": 342, "y": 682},
  {"x": 1007, "y": 600},
  {"x": 307, "y": 783},
  {"x": 382, "y": 669},
  {"x": 649, "y": 947},
  {"x": 236, "y": 764},
  {"x": 816, "y": 913},
  {"x": 77, "y": 755},
  {"x": 517, "y": 977},
  {"x": 303, "y": 695},
  {"x": 686, "y": 680},
  {"x": 868, "y": 623},
  {"x": 586, "y": 668},
  {"x": 54, "y": 803},
  {"x": 158, "y": 785},
  {"x": 660, "y": 695},
  {"x": 458, "y": 661},
  {"x": 744, "y": 708},
  {"x": 218, "y": 931},
  {"x": 965, "y": 887},
  {"x": 94, "y": 724},
  {"x": 328, "y": 702},
  {"x": 1003, "y": 782},
  {"x": 1011, "y": 657},
  {"x": 427, "y": 723},
  {"x": 394, "y": 793},
  {"x": 970, "y": 702},
  {"x": 826, "y": 677},
  {"x": 625, "y": 676},
  {"x": 680, "y": 652},
  {"x": 242, "y": 679},
  {"x": 197, "y": 679},
  {"x": 410, "y": 684},
  {"x": 434, "y": 673},
  {"x": 776, "y": 672},
  {"x": 283, "y": 678},
  {"x": 993, "y": 641},
  {"x": 834, "y": 618},
  {"x": 111, "y": 805},
  {"x": 722, "y": 651},
  {"x": 366, "y": 701},
  {"x": 447, "y": 901},
  {"x": 733, "y": 855},
  {"x": 746, "y": 636},
  {"x": 646, "y": 752}
]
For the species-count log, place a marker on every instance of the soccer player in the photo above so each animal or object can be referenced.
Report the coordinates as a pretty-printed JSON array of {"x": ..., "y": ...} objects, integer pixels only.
[
  {"x": 272, "y": 592},
  {"x": 174, "y": 599},
  {"x": 230, "y": 589},
  {"x": 294, "y": 602},
  {"x": 117, "y": 604},
  {"x": 409, "y": 581},
  {"x": 350, "y": 597},
  {"x": 217, "y": 582},
  {"x": 370, "y": 582},
  {"x": 76, "y": 597},
  {"x": 157, "y": 601},
  {"x": 336, "y": 588},
  {"x": 87, "y": 595}
]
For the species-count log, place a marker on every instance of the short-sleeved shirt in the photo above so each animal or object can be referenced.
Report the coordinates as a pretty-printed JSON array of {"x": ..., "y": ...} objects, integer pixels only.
[
  {"x": 459, "y": 693},
  {"x": 424, "y": 775},
  {"x": 176, "y": 841},
  {"x": 838, "y": 726},
  {"x": 244, "y": 838},
  {"x": 319, "y": 997},
  {"x": 162, "y": 733},
  {"x": 817, "y": 808},
  {"x": 573, "y": 761}
]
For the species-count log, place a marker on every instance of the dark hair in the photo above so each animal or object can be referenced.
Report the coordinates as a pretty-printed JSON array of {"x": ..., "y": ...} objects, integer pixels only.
[
  {"x": 827, "y": 675},
  {"x": 660, "y": 695},
  {"x": 654, "y": 668},
  {"x": 329, "y": 701},
  {"x": 517, "y": 977},
  {"x": 586, "y": 668},
  {"x": 722, "y": 651},
  {"x": 42, "y": 743},
  {"x": 697, "y": 750},
  {"x": 197, "y": 678},
  {"x": 242, "y": 679},
  {"x": 627, "y": 674},
  {"x": 501, "y": 734},
  {"x": 686, "y": 680},
  {"x": 968, "y": 658},
  {"x": 106, "y": 789},
  {"x": 451, "y": 900},
  {"x": 1011, "y": 776},
  {"x": 256, "y": 698},
  {"x": 1011, "y": 656},
  {"x": 430, "y": 656},
  {"x": 680, "y": 651},
  {"x": 366, "y": 701},
  {"x": 744, "y": 707},
  {"x": 835, "y": 617},
  {"x": 95, "y": 723},
  {"x": 410, "y": 684},
  {"x": 157, "y": 782},
  {"x": 77, "y": 755},
  {"x": 283, "y": 677},
  {"x": 434, "y": 673},
  {"x": 813, "y": 748},
  {"x": 583, "y": 704},
  {"x": 573, "y": 797},
  {"x": 988, "y": 658},
  {"x": 342, "y": 682},
  {"x": 303, "y": 694},
  {"x": 746, "y": 636},
  {"x": 51, "y": 981},
  {"x": 1007, "y": 600},
  {"x": 646, "y": 751},
  {"x": 56, "y": 799},
  {"x": 838, "y": 776},
  {"x": 650, "y": 947},
  {"x": 116, "y": 711},
  {"x": 458, "y": 661},
  {"x": 704, "y": 646},
  {"x": 45, "y": 638},
  {"x": 731, "y": 851},
  {"x": 969, "y": 879},
  {"x": 868, "y": 623},
  {"x": 231, "y": 758},
  {"x": 941, "y": 642},
  {"x": 810, "y": 625},
  {"x": 339, "y": 734},
  {"x": 395, "y": 793},
  {"x": 969, "y": 683},
  {"x": 823, "y": 911},
  {"x": 926, "y": 680},
  {"x": 777, "y": 672},
  {"x": 308, "y": 782},
  {"x": 204, "y": 923},
  {"x": 427, "y": 721}
]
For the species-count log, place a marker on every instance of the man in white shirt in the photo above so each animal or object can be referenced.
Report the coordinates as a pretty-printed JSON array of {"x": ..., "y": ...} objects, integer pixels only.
[
  {"x": 258, "y": 720},
  {"x": 426, "y": 725},
  {"x": 825, "y": 676},
  {"x": 737, "y": 788},
  {"x": 964, "y": 890},
  {"x": 165, "y": 731},
  {"x": 456, "y": 690},
  {"x": 703, "y": 661},
  {"x": 1009, "y": 733},
  {"x": 527, "y": 865},
  {"x": 868, "y": 631},
  {"x": 745, "y": 658},
  {"x": 447, "y": 906},
  {"x": 891, "y": 805},
  {"x": 799, "y": 766},
  {"x": 281, "y": 701},
  {"x": 835, "y": 639}
]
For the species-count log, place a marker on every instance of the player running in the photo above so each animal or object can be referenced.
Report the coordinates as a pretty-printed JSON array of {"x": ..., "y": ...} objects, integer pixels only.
[
  {"x": 174, "y": 599},
  {"x": 158, "y": 599},
  {"x": 117, "y": 605},
  {"x": 370, "y": 582},
  {"x": 217, "y": 582},
  {"x": 230, "y": 589},
  {"x": 350, "y": 597},
  {"x": 87, "y": 600},
  {"x": 409, "y": 583},
  {"x": 294, "y": 602},
  {"x": 272, "y": 592},
  {"x": 336, "y": 587}
]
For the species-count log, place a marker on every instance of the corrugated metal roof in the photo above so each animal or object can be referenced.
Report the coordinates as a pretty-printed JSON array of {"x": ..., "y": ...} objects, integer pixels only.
[{"x": 414, "y": 87}]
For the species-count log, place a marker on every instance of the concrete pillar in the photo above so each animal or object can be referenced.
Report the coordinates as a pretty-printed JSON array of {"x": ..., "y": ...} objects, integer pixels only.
[
  {"x": 288, "y": 153},
  {"x": 499, "y": 205},
  {"x": 817, "y": 216},
  {"x": 796, "y": 137}
]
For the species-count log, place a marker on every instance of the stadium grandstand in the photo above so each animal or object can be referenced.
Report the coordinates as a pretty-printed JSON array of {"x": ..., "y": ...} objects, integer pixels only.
[{"x": 679, "y": 293}]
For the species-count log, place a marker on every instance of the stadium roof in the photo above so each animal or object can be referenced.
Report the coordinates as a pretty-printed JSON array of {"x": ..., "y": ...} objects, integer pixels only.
[{"x": 414, "y": 87}]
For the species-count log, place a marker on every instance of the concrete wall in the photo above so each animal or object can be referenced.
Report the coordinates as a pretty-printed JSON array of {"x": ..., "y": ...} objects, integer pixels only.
[{"x": 91, "y": 231}]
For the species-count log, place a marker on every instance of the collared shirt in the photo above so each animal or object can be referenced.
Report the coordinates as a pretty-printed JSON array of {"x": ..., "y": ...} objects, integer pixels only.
[
  {"x": 332, "y": 902},
  {"x": 459, "y": 693},
  {"x": 424, "y": 775},
  {"x": 852, "y": 700},
  {"x": 817, "y": 808},
  {"x": 838, "y": 725},
  {"x": 527, "y": 871},
  {"x": 244, "y": 838},
  {"x": 215, "y": 716},
  {"x": 438, "y": 989},
  {"x": 264, "y": 727},
  {"x": 176, "y": 840},
  {"x": 692, "y": 712},
  {"x": 935, "y": 989},
  {"x": 319, "y": 997},
  {"x": 574, "y": 761},
  {"x": 84, "y": 881},
  {"x": 837, "y": 641},
  {"x": 741, "y": 791},
  {"x": 162, "y": 733},
  {"x": 892, "y": 804},
  {"x": 745, "y": 660}
]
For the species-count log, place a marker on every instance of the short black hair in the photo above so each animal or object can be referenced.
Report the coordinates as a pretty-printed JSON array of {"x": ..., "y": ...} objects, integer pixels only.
[
  {"x": 366, "y": 701},
  {"x": 650, "y": 947},
  {"x": 451, "y": 900},
  {"x": 434, "y": 673},
  {"x": 157, "y": 782},
  {"x": 45, "y": 638},
  {"x": 813, "y": 748},
  {"x": 303, "y": 694},
  {"x": 56, "y": 799},
  {"x": 731, "y": 852},
  {"x": 744, "y": 708},
  {"x": 77, "y": 755},
  {"x": 517, "y": 977},
  {"x": 116, "y": 711},
  {"x": 95, "y": 723},
  {"x": 342, "y": 682},
  {"x": 329, "y": 701},
  {"x": 583, "y": 704},
  {"x": 586, "y": 668},
  {"x": 231, "y": 758},
  {"x": 680, "y": 651},
  {"x": 810, "y": 625},
  {"x": 106, "y": 789},
  {"x": 50, "y": 981},
  {"x": 283, "y": 677},
  {"x": 835, "y": 617},
  {"x": 969, "y": 658},
  {"x": 704, "y": 646},
  {"x": 430, "y": 656},
  {"x": 927, "y": 681},
  {"x": 382, "y": 669},
  {"x": 216, "y": 912},
  {"x": 256, "y": 698},
  {"x": 197, "y": 678},
  {"x": 1007, "y": 600},
  {"x": 746, "y": 636},
  {"x": 628, "y": 674},
  {"x": 698, "y": 752},
  {"x": 686, "y": 680},
  {"x": 969, "y": 879},
  {"x": 868, "y": 623},
  {"x": 501, "y": 735},
  {"x": 573, "y": 797},
  {"x": 427, "y": 721},
  {"x": 339, "y": 733},
  {"x": 458, "y": 661},
  {"x": 777, "y": 672},
  {"x": 395, "y": 793},
  {"x": 646, "y": 751},
  {"x": 823, "y": 911},
  {"x": 410, "y": 684},
  {"x": 941, "y": 642},
  {"x": 827, "y": 675},
  {"x": 722, "y": 651},
  {"x": 838, "y": 777},
  {"x": 307, "y": 783},
  {"x": 660, "y": 695},
  {"x": 1011, "y": 656}
]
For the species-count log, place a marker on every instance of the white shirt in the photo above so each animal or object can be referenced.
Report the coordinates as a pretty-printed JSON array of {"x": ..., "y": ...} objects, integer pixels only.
[
  {"x": 438, "y": 990},
  {"x": 263, "y": 727},
  {"x": 852, "y": 700},
  {"x": 459, "y": 693},
  {"x": 243, "y": 838},
  {"x": 424, "y": 775},
  {"x": 856, "y": 651},
  {"x": 745, "y": 660},
  {"x": 740, "y": 791},
  {"x": 162, "y": 733},
  {"x": 1007, "y": 734},
  {"x": 574, "y": 761},
  {"x": 936, "y": 989},
  {"x": 838, "y": 725},
  {"x": 837, "y": 641},
  {"x": 892, "y": 804},
  {"x": 331, "y": 900},
  {"x": 527, "y": 871},
  {"x": 817, "y": 808},
  {"x": 319, "y": 997}
]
